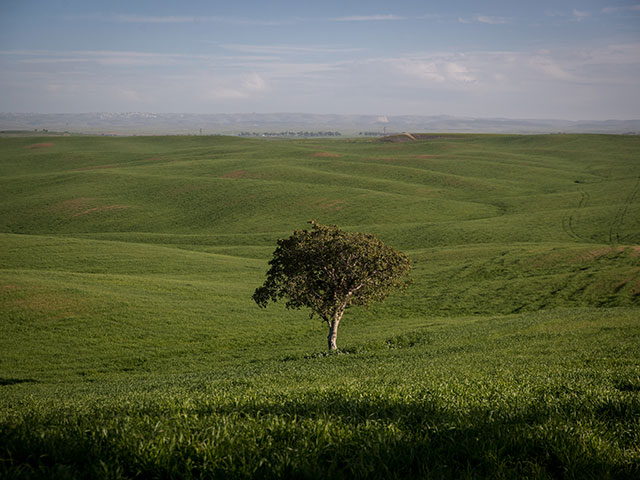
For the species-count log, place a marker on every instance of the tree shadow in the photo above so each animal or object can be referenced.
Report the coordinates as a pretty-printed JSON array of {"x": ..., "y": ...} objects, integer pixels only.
[{"x": 333, "y": 434}]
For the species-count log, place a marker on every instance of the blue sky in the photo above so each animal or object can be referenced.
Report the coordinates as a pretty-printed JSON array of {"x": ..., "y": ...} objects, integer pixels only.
[{"x": 519, "y": 59}]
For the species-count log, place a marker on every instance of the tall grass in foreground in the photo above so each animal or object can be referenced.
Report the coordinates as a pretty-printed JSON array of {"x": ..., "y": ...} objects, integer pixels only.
[
  {"x": 524, "y": 396},
  {"x": 447, "y": 430}
]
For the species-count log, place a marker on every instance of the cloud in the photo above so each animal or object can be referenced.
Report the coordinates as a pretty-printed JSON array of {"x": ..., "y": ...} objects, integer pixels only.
[
  {"x": 429, "y": 71},
  {"x": 579, "y": 15},
  {"x": 575, "y": 15},
  {"x": 129, "y": 95},
  {"x": 254, "y": 83},
  {"x": 153, "y": 19},
  {"x": 491, "y": 20},
  {"x": 459, "y": 73},
  {"x": 288, "y": 49},
  {"x": 550, "y": 69},
  {"x": 434, "y": 70},
  {"x": 614, "y": 64},
  {"x": 519, "y": 71},
  {"x": 103, "y": 57},
  {"x": 368, "y": 18},
  {"x": 283, "y": 77},
  {"x": 215, "y": 87},
  {"x": 431, "y": 16},
  {"x": 629, "y": 8}
]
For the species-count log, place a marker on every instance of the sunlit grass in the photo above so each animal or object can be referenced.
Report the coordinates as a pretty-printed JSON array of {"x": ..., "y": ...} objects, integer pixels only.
[{"x": 130, "y": 346}]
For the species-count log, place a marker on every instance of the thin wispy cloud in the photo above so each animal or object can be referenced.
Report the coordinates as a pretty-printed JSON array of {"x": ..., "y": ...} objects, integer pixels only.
[
  {"x": 488, "y": 19},
  {"x": 492, "y": 20},
  {"x": 573, "y": 15},
  {"x": 430, "y": 16},
  {"x": 579, "y": 15},
  {"x": 435, "y": 70},
  {"x": 627, "y": 8},
  {"x": 368, "y": 18},
  {"x": 105, "y": 57},
  {"x": 152, "y": 19},
  {"x": 155, "y": 19},
  {"x": 241, "y": 88},
  {"x": 493, "y": 71},
  {"x": 289, "y": 49}
]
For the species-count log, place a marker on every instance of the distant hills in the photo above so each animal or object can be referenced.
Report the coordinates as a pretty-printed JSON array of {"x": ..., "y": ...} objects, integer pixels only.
[{"x": 132, "y": 123}]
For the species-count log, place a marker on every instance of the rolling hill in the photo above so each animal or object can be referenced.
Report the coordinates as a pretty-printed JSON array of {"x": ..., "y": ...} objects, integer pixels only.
[{"x": 127, "y": 267}]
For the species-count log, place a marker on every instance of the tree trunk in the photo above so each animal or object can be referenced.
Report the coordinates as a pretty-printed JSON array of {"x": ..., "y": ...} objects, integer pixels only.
[
  {"x": 333, "y": 330},
  {"x": 333, "y": 334}
]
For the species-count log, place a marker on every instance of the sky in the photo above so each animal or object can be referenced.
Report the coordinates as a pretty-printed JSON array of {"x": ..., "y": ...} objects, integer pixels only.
[{"x": 571, "y": 60}]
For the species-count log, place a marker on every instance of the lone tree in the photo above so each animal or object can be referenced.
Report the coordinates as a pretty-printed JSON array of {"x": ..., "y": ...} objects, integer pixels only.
[{"x": 328, "y": 270}]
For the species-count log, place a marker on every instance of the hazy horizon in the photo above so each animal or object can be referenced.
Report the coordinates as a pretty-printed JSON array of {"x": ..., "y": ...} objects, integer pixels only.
[
  {"x": 494, "y": 59},
  {"x": 328, "y": 114}
]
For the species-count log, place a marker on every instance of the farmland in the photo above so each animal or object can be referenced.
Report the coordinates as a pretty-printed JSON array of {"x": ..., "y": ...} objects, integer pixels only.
[{"x": 131, "y": 348}]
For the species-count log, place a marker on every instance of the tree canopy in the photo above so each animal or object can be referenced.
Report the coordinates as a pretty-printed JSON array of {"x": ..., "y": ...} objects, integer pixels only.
[{"x": 328, "y": 270}]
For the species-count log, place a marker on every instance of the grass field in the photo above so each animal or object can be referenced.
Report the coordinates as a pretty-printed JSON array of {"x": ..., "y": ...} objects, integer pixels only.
[{"x": 130, "y": 346}]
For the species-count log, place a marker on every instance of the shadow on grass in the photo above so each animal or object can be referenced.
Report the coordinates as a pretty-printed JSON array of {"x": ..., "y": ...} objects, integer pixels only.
[
  {"x": 323, "y": 434},
  {"x": 16, "y": 381},
  {"x": 627, "y": 385}
]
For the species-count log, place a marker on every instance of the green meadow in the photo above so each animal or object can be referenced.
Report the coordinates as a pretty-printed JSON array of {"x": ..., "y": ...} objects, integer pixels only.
[{"x": 130, "y": 346}]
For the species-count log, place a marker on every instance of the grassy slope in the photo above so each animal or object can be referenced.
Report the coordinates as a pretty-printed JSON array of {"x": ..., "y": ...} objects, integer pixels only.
[{"x": 127, "y": 267}]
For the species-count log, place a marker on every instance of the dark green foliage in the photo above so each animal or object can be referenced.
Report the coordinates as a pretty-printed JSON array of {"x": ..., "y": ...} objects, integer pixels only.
[{"x": 328, "y": 270}]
